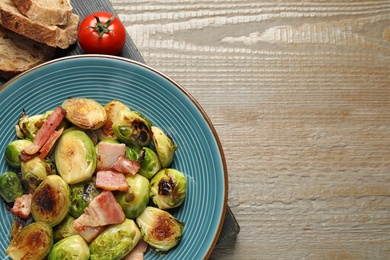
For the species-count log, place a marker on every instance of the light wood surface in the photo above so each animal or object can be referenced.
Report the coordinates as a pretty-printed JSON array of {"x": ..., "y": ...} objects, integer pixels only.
[{"x": 299, "y": 93}]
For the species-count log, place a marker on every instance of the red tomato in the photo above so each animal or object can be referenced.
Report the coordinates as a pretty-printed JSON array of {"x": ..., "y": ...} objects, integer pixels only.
[{"x": 102, "y": 33}]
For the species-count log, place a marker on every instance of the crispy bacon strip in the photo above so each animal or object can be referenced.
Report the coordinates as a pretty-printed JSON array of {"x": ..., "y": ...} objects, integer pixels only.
[
  {"x": 108, "y": 154},
  {"x": 109, "y": 180},
  {"x": 137, "y": 253},
  {"x": 126, "y": 166},
  {"x": 102, "y": 210},
  {"x": 46, "y": 148},
  {"x": 22, "y": 206},
  {"x": 47, "y": 129}
]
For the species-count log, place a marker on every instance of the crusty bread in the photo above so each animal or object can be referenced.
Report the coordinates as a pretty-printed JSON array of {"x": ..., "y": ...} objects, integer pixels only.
[
  {"x": 55, "y": 36},
  {"x": 18, "y": 53},
  {"x": 48, "y": 12}
]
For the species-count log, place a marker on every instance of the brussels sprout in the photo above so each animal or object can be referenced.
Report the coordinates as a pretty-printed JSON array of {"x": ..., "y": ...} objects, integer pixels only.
[
  {"x": 168, "y": 188},
  {"x": 85, "y": 113},
  {"x": 10, "y": 186},
  {"x": 132, "y": 154},
  {"x": 75, "y": 156},
  {"x": 150, "y": 163},
  {"x": 13, "y": 150},
  {"x": 132, "y": 129},
  {"x": 28, "y": 126},
  {"x": 159, "y": 228},
  {"x": 80, "y": 196},
  {"x": 34, "y": 171},
  {"x": 136, "y": 198},
  {"x": 69, "y": 248},
  {"x": 165, "y": 147},
  {"x": 33, "y": 242},
  {"x": 51, "y": 200},
  {"x": 112, "y": 109},
  {"x": 18, "y": 224},
  {"x": 116, "y": 241},
  {"x": 64, "y": 229}
]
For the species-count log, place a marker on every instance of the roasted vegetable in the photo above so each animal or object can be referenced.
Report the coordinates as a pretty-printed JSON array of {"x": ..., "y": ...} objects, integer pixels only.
[
  {"x": 136, "y": 198},
  {"x": 75, "y": 156},
  {"x": 85, "y": 113},
  {"x": 149, "y": 162},
  {"x": 70, "y": 248},
  {"x": 10, "y": 186},
  {"x": 13, "y": 150},
  {"x": 168, "y": 188},
  {"x": 116, "y": 241},
  {"x": 80, "y": 196},
  {"x": 165, "y": 147},
  {"x": 112, "y": 109},
  {"x": 33, "y": 242},
  {"x": 34, "y": 171},
  {"x": 132, "y": 129},
  {"x": 51, "y": 201},
  {"x": 28, "y": 126},
  {"x": 159, "y": 228},
  {"x": 64, "y": 229}
]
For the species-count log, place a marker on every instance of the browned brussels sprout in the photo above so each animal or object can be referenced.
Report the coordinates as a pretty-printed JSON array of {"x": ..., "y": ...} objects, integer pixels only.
[
  {"x": 51, "y": 201},
  {"x": 159, "y": 228},
  {"x": 168, "y": 188},
  {"x": 33, "y": 242}
]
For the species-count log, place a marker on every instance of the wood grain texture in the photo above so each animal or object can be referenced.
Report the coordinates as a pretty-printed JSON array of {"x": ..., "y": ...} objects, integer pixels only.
[{"x": 299, "y": 92}]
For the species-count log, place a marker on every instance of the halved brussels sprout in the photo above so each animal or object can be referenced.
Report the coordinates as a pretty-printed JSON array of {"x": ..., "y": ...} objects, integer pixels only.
[
  {"x": 34, "y": 171},
  {"x": 168, "y": 188},
  {"x": 51, "y": 201},
  {"x": 80, "y": 196},
  {"x": 132, "y": 154},
  {"x": 116, "y": 241},
  {"x": 112, "y": 109},
  {"x": 28, "y": 126},
  {"x": 64, "y": 229},
  {"x": 136, "y": 198},
  {"x": 165, "y": 147},
  {"x": 13, "y": 150},
  {"x": 149, "y": 162},
  {"x": 33, "y": 242},
  {"x": 159, "y": 228},
  {"x": 75, "y": 156},
  {"x": 10, "y": 186},
  {"x": 69, "y": 248},
  {"x": 132, "y": 129},
  {"x": 85, "y": 113}
]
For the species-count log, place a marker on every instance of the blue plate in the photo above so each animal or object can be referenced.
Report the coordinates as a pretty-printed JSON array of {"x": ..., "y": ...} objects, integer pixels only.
[{"x": 164, "y": 102}]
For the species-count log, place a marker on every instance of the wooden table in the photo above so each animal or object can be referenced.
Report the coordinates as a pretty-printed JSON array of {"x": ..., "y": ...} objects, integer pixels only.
[{"x": 299, "y": 93}]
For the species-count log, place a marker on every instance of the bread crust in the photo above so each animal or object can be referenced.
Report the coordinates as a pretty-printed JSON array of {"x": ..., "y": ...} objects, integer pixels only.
[
  {"x": 48, "y": 15},
  {"x": 20, "y": 53},
  {"x": 54, "y": 36}
]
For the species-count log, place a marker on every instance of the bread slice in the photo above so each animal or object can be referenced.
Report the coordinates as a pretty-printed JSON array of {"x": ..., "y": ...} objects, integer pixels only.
[
  {"x": 56, "y": 36},
  {"x": 48, "y": 12},
  {"x": 18, "y": 53}
]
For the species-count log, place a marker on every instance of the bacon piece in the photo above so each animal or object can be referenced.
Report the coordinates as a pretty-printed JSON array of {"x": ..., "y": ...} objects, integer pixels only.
[
  {"x": 108, "y": 154},
  {"x": 22, "y": 206},
  {"x": 46, "y": 148},
  {"x": 47, "y": 129},
  {"x": 89, "y": 233},
  {"x": 137, "y": 253},
  {"x": 110, "y": 180},
  {"x": 126, "y": 166},
  {"x": 102, "y": 210}
]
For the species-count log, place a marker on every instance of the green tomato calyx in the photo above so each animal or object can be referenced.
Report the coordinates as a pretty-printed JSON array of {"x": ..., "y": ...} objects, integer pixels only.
[{"x": 102, "y": 28}]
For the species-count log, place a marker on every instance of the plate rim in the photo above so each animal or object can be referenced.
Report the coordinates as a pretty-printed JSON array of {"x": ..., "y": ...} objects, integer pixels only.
[{"x": 178, "y": 86}]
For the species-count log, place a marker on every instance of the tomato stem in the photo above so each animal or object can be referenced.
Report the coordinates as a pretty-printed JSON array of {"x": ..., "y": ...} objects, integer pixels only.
[{"x": 102, "y": 28}]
